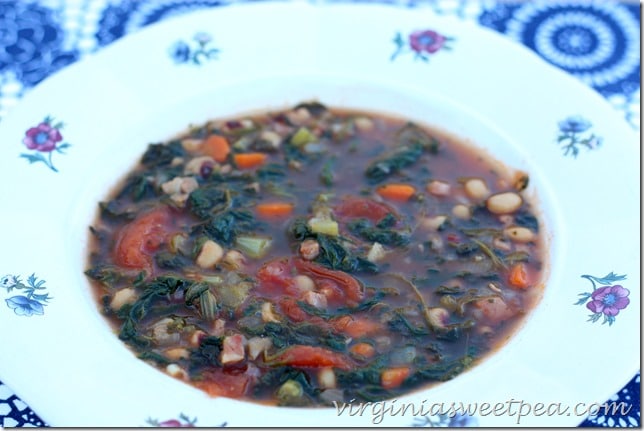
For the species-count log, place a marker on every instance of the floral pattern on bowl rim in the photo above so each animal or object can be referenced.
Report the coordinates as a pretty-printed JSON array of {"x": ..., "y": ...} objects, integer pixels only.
[
  {"x": 422, "y": 44},
  {"x": 44, "y": 138},
  {"x": 183, "y": 421},
  {"x": 607, "y": 300},
  {"x": 573, "y": 135},
  {"x": 182, "y": 52},
  {"x": 31, "y": 303}
]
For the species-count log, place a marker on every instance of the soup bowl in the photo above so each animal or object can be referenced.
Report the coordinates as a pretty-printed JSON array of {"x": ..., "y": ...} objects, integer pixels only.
[{"x": 541, "y": 376}]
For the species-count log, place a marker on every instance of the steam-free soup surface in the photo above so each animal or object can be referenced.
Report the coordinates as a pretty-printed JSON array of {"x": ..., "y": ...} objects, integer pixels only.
[{"x": 315, "y": 255}]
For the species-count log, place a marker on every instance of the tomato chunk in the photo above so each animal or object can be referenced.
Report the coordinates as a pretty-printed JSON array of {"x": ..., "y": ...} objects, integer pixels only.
[
  {"x": 276, "y": 277},
  {"x": 218, "y": 383},
  {"x": 349, "y": 286},
  {"x": 139, "y": 239},
  {"x": 356, "y": 326},
  {"x": 289, "y": 307},
  {"x": 310, "y": 356},
  {"x": 359, "y": 207}
]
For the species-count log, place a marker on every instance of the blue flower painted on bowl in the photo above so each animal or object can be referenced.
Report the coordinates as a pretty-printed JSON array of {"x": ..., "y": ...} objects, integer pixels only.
[
  {"x": 574, "y": 124},
  {"x": 34, "y": 298},
  {"x": 421, "y": 43},
  {"x": 180, "y": 52},
  {"x": 572, "y": 135},
  {"x": 24, "y": 306},
  {"x": 44, "y": 138},
  {"x": 183, "y": 52},
  {"x": 605, "y": 301},
  {"x": 447, "y": 420}
]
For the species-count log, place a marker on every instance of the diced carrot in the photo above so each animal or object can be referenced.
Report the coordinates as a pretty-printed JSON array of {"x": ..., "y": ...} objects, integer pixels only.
[
  {"x": 396, "y": 192},
  {"x": 519, "y": 276},
  {"x": 274, "y": 209},
  {"x": 394, "y": 377},
  {"x": 364, "y": 350},
  {"x": 355, "y": 326},
  {"x": 217, "y": 147},
  {"x": 249, "y": 160}
]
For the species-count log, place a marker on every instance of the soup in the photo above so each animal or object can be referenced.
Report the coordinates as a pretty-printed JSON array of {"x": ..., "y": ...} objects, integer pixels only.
[{"x": 316, "y": 255}]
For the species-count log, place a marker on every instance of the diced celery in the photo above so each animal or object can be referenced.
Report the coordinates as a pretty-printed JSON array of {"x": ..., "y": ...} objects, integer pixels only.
[
  {"x": 208, "y": 305},
  {"x": 302, "y": 137},
  {"x": 324, "y": 225},
  {"x": 179, "y": 244},
  {"x": 289, "y": 392},
  {"x": 253, "y": 246},
  {"x": 233, "y": 295}
]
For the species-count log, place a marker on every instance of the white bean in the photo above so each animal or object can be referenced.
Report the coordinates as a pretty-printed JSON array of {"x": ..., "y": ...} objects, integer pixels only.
[
  {"x": 364, "y": 124},
  {"x": 504, "y": 203},
  {"x": 177, "y": 353},
  {"x": 316, "y": 299},
  {"x": 235, "y": 259},
  {"x": 273, "y": 138},
  {"x": 173, "y": 186},
  {"x": 433, "y": 223},
  {"x": 176, "y": 371},
  {"x": 191, "y": 145},
  {"x": 122, "y": 297},
  {"x": 376, "y": 253},
  {"x": 477, "y": 189},
  {"x": 267, "y": 313},
  {"x": 326, "y": 378},
  {"x": 461, "y": 211},
  {"x": 438, "y": 188},
  {"x": 189, "y": 184},
  {"x": 210, "y": 254},
  {"x": 304, "y": 283}
]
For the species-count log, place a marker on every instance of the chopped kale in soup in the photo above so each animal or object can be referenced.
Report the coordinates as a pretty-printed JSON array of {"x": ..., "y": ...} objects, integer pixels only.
[{"x": 316, "y": 255}]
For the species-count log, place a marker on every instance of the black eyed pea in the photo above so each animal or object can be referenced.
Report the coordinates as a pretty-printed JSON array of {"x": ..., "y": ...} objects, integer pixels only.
[
  {"x": 504, "y": 203},
  {"x": 438, "y": 317},
  {"x": 519, "y": 234}
]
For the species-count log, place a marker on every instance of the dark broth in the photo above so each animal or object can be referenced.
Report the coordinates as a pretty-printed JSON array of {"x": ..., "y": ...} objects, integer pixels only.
[{"x": 316, "y": 255}]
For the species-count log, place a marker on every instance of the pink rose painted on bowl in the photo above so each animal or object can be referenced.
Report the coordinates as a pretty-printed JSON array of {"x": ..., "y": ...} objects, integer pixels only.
[
  {"x": 427, "y": 40},
  {"x": 421, "y": 43},
  {"x": 45, "y": 138},
  {"x": 42, "y": 138}
]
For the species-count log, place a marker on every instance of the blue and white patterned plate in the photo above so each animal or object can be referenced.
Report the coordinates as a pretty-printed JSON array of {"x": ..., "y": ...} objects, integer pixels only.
[{"x": 77, "y": 132}]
